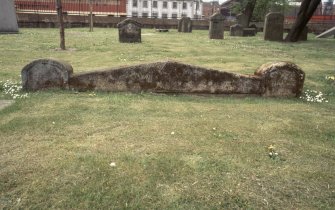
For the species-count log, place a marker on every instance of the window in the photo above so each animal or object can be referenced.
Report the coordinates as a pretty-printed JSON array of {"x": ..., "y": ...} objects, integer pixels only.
[
  {"x": 154, "y": 14},
  {"x": 184, "y": 5},
  {"x": 145, "y": 15},
  {"x": 164, "y": 4},
  {"x": 174, "y": 5},
  {"x": 174, "y": 16},
  {"x": 154, "y": 5},
  {"x": 134, "y": 14},
  {"x": 145, "y": 4},
  {"x": 134, "y": 3},
  {"x": 164, "y": 15}
]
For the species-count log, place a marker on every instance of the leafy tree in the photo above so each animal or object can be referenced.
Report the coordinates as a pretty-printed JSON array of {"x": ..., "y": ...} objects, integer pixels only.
[
  {"x": 305, "y": 13},
  {"x": 261, "y": 7}
]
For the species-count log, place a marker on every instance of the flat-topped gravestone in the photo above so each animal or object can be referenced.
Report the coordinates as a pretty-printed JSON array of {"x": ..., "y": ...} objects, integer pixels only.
[
  {"x": 216, "y": 26},
  {"x": 236, "y": 30},
  {"x": 8, "y": 21},
  {"x": 46, "y": 73},
  {"x": 274, "y": 27},
  {"x": 129, "y": 31},
  {"x": 185, "y": 25}
]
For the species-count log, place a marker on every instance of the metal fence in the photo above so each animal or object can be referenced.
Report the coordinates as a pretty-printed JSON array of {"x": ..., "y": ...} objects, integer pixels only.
[{"x": 73, "y": 7}]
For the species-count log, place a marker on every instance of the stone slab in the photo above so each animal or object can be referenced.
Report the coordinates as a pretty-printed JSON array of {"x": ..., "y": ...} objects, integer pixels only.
[
  {"x": 327, "y": 33},
  {"x": 8, "y": 20}
]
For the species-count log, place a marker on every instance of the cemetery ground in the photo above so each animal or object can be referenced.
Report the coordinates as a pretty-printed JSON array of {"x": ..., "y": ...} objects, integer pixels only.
[{"x": 97, "y": 150}]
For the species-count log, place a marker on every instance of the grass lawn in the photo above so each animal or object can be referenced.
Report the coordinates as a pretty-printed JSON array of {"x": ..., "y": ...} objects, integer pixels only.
[{"x": 68, "y": 150}]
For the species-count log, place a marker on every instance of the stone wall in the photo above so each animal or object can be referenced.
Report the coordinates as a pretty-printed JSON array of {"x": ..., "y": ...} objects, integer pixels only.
[
  {"x": 277, "y": 79},
  {"x": 50, "y": 21}
]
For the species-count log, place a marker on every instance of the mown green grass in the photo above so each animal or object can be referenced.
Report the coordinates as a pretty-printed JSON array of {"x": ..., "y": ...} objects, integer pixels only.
[{"x": 170, "y": 151}]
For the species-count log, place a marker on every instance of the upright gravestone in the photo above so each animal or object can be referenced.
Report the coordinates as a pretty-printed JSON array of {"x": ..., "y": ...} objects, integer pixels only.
[
  {"x": 8, "y": 21},
  {"x": 185, "y": 25},
  {"x": 236, "y": 30},
  {"x": 274, "y": 27},
  {"x": 242, "y": 19},
  {"x": 129, "y": 31},
  {"x": 216, "y": 26}
]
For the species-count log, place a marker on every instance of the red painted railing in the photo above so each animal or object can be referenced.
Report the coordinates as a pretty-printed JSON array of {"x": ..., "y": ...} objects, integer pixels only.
[
  {"x": 314, "y": 19},
  {"x": 100, "y": 7}
]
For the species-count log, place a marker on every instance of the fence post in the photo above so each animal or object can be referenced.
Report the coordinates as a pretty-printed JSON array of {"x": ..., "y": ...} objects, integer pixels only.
[
  {"x": 61, "y": 23},
  {"x": 91, "y": 16}
]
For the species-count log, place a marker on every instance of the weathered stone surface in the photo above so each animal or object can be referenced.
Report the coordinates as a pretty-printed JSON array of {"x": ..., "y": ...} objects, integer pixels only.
[
  {"x": 236, "y": 30},
  {"x": 8, "y": 21},
  {"x": 276, "y": 79},
  {"x": 46, "y": 73},
  {"x": 274, "y": 27},
  {"x": 216, "y": 26},
  {"x": 167, "y": 77},
  {"x": 242, "y": 19},
  {"x": 281, "y": 79},
  {"x": 129, "y": 31},
  {"x": 185, "y": 25}
]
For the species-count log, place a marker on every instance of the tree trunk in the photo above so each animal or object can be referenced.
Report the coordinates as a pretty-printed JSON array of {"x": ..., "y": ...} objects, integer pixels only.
[
  {"x": 91, "y": 16},
  {"x": 61, "y": 23},
  {"x": 249, "y": 9},
  {"x": 305, "y": 13}
]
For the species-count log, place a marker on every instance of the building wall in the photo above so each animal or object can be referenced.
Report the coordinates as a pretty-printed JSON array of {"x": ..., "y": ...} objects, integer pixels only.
[
  {"x": 170, "y": 9},
  {"x": 209, "y": 8}
]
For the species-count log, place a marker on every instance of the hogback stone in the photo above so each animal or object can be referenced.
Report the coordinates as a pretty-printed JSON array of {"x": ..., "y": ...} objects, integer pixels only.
[
  {"x": 129, "y": 31},
  {"x": 274, "y": 26}
]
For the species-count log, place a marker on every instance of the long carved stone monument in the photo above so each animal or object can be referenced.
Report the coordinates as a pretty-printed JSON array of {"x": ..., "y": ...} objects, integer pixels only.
[
  {"x": 276, "y": 79},
  {"x": 274, "y": 27},
  {"x": 216, "y": 26},
  {"x": 129, "y": 31},
  {"x": 8, "y": 21}
]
